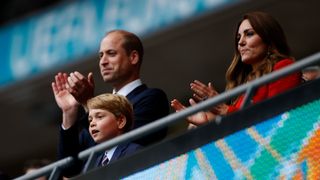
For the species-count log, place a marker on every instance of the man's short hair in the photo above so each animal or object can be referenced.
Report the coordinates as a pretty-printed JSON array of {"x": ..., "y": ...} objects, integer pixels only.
[{"x": 131, "y": 42}]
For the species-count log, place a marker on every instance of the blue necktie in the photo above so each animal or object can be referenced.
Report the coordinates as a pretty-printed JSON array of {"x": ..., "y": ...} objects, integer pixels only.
[{"x": 105, "y": 159}]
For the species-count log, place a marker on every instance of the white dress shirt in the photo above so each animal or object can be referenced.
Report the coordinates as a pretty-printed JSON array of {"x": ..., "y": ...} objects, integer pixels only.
[
  {"x": 110, "y": 152},
  {"x": 125, "y": 90}
]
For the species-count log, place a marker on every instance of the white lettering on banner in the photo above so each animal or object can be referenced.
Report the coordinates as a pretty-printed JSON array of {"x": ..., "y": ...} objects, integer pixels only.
[
  {"x": 19, "y": 62},
  {"x": 146, "y": 15},
  {"x": 59, "y": 36},
  {"x": 41, "y": 54},
  {"x": 113, "y": 15}
]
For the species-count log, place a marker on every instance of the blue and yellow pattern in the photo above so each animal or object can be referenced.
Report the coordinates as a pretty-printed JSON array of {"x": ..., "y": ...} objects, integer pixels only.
[{"x": 286, "y": 146}]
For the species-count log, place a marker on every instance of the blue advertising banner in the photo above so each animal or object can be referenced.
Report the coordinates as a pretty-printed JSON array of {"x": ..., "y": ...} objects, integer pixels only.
[{"x": 73, "y": 30}]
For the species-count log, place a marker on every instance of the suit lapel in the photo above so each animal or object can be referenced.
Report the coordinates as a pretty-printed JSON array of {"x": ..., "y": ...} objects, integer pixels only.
[
  {"x": 131, "y": 96},
  {"x": 99, "y": 159},
  {"x": 119, "y": 152}
]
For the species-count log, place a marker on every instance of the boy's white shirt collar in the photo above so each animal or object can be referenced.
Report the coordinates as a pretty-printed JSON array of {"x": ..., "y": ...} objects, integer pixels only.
[
  {"x": 110, "y": 152},
  {"x": 125, "y": 90}
]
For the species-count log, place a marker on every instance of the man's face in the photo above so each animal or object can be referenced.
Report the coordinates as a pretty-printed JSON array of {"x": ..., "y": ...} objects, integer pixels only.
[{"x": 115, "y": 64}]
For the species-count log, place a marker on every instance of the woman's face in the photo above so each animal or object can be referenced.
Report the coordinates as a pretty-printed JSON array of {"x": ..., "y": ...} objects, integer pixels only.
[{"x": 250, "y": 46}]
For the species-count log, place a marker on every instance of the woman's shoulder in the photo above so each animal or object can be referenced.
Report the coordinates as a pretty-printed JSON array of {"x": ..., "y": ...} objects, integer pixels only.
[{"x": 283, "y": 63}]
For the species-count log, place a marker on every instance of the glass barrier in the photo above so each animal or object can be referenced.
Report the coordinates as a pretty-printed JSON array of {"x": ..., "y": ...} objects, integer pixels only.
[{"x": 286, "y": 146}]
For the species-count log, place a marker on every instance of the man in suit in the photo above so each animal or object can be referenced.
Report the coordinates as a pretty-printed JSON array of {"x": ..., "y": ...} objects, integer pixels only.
[
  {"x": 110, "y": 115},
  {"x": 121, "y": 55}
]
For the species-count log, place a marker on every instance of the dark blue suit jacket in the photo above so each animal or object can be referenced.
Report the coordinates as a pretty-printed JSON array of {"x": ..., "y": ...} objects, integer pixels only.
[
  {"x": 121, "y": 151},
  {"x": 149, "y": 104}
]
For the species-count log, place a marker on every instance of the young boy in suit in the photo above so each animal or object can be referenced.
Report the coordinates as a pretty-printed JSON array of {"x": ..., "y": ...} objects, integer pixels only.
[{"x": 110, "y": 115}]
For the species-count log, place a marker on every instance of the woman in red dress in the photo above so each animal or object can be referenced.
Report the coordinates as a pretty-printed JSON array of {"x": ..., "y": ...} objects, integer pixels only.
[{"x": 260, "y": 48}]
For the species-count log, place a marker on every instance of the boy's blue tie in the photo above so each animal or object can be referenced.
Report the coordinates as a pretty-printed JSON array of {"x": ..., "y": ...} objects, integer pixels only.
[{"x": 105, "y": 159}]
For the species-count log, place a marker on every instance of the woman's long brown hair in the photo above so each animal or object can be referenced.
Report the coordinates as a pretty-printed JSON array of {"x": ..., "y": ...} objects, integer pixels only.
[{"x": 272, "y": 35}]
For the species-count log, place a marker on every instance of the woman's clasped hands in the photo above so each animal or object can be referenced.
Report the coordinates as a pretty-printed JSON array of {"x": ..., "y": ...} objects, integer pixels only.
[{"x": 201, "y": 92}]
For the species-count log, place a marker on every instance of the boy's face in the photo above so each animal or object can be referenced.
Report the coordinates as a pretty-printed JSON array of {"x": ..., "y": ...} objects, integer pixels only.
[{"x": 103, "y": 125}]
